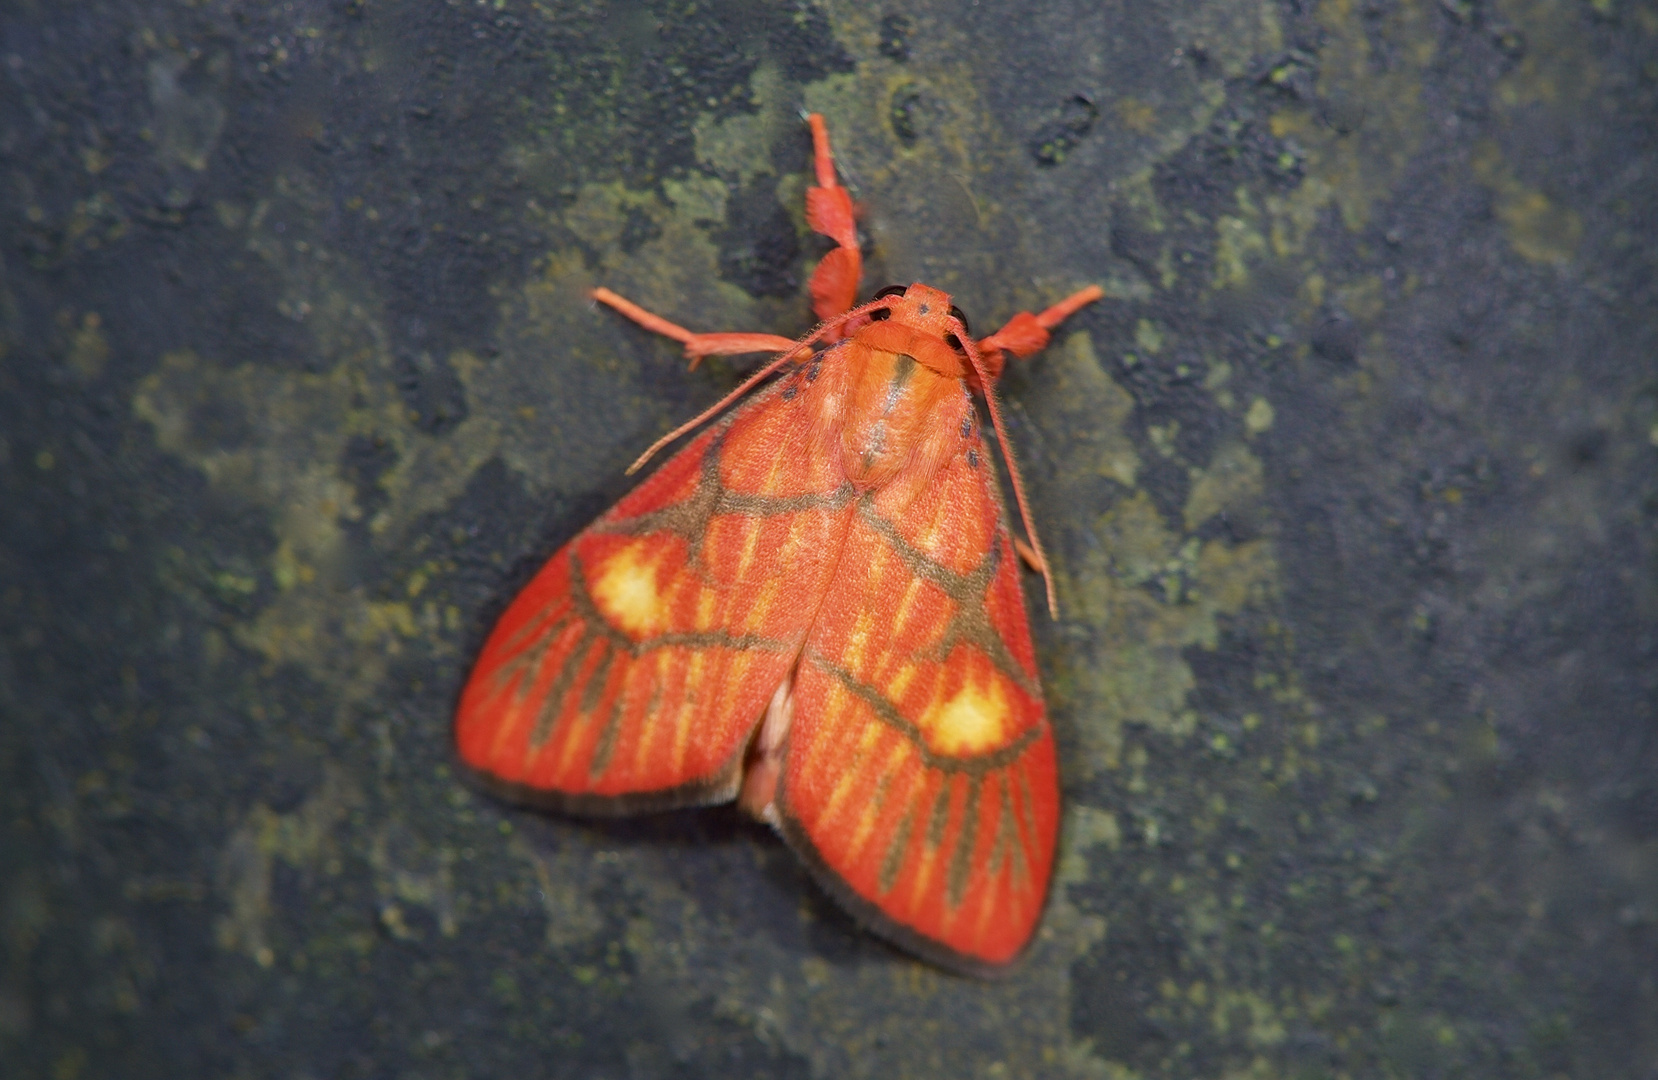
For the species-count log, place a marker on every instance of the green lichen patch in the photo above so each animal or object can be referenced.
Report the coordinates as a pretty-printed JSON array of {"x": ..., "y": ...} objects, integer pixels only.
[{"x": 302, "y": 839}]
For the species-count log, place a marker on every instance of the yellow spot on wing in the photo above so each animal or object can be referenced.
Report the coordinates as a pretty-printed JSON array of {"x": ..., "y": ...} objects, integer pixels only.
[
  {"x": 971, "y": 722},
  {"x": 624, "y": 590}
]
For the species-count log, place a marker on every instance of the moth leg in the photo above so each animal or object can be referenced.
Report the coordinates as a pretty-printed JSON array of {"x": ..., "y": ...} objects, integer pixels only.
[
  {"x": 1026, "y": 334},
  {"x": 696, "y": 345},
  {"x": 834, "y": 284},
  {"x": 1028, "y": 555}
]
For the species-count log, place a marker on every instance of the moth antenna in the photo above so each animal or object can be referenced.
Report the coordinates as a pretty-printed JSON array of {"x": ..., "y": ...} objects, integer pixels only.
[{"x": 1041, "y": 558}]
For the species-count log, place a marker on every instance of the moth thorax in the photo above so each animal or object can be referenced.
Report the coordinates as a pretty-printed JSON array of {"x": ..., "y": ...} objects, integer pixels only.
[{"x": 897, "y": 418}]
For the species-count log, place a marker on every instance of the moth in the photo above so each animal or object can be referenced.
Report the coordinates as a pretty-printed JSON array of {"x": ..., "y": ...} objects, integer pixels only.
[{"x": 813, "y": 608}]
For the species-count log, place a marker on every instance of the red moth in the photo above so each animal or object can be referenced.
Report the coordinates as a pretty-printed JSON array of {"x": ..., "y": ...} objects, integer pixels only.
[{"x": 814, "y": 609}]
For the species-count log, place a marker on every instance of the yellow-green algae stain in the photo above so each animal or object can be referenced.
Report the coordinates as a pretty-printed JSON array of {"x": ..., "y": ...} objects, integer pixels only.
[
  {"x": 89, "y": 348},
  {"x": 302, "y": 838},
  {"x": 1555, "y": 72}
]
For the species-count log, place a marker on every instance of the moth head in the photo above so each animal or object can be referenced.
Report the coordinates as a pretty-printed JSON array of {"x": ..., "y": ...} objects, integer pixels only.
[{"x": 922, "y": 308}]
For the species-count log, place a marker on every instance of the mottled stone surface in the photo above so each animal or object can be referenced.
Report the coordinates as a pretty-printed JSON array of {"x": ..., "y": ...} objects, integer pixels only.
[{"x": 1351, "y": 483}]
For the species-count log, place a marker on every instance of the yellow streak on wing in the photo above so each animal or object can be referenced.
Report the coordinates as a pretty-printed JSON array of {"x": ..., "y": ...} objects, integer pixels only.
[
  {"x": 696, "y": 690},
  {"x": 926, "y": 539},
  {"x": 923, "y": 876},
  {"x": 929, "y": 859},
  {"x": 673, "y": 602},
  {"x": 706, "y": 609},
  {"x": 511, "y": 722},
  {"x": 733, "y": 571},
  {"x": 731, "y": 682},
  {"x": 989, "y": 898},
  {"x": 971, "y": 722},
  {"x": 912, "y": 592},
  {"x": 575, "y": 731},
  {"x": 650, "y": 725},
  {"x": 781, "y": 465},
  {"x": 900, "y": 683},
  {"x": 902, "y": 614},
  {"x": 872, "y": 810},
  {"x": 624, "y": 589},
  {"x": 516, "y": 714},
  {"x": 773, "y": 584},
  {"x": 850, "y": 773},
  {"x": 763, "y": 604},
  {"x": 751, "y": 548},
  {"x": 751, "y": 526},
  {"x": 858, "y": 643},
  {"x": 571, "y": 742}
]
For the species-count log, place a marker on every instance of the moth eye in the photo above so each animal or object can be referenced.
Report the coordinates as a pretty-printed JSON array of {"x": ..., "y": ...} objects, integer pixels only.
[
  {"x": 885, "y": 313},
  {"x": 955, "y": 313}
]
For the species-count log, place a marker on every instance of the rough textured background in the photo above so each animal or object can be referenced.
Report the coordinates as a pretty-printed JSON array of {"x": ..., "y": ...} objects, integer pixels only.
[{"x": 1352, "y": 483}]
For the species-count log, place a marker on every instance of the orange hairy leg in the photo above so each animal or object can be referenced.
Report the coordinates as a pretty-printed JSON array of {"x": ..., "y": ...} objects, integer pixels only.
[
  {"x": 696, "y": 345},
  {"x": 829, "y": 210},
  {"x": 1026, "y": 334},
  {"x": 834, "y": 284},
  {"x": 812, "y": 608}
]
